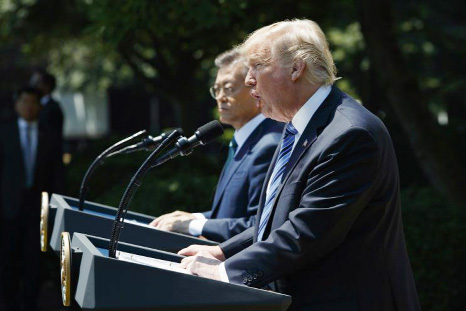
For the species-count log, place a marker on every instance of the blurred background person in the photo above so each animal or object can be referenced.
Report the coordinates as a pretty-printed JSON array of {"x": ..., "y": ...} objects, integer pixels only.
[
  {"x": 30, "y": 162},
  {"x": 51, "y": 115},
  {"x": 250, "y": 151}
]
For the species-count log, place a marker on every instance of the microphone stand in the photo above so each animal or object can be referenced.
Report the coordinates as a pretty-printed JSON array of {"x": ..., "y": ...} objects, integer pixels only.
[
  {"x": 99, "y": 161},
  {"x": 131, "y": 190}
]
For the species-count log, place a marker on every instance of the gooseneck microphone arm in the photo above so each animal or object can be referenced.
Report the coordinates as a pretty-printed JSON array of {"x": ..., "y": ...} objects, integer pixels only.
[
  {"x": 131, "y": 190},
  {"x": 99, "y": 161}
]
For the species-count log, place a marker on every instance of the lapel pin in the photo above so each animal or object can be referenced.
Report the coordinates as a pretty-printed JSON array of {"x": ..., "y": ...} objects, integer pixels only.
[{"x": 305, "y": 143}]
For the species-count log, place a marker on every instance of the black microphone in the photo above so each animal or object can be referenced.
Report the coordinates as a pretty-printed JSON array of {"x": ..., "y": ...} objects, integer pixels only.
[
  {"x": 184, "y": 146},
  {"x": 134, "y": 184},
  {"x": 148, "y": 143}
]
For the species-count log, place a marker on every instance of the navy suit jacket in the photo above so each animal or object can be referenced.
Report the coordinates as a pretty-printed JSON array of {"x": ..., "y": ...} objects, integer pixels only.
[
  {"x": 51, "y": 117},
  {"x": 334, "y": 240},
  {"x": 239, "y": 187},
  {"x": 48, "y": 173}
]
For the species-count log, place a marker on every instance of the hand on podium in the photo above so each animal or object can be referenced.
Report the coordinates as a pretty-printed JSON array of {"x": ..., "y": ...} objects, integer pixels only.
[
  {"x": 167, "y": 222},
  {"x": 195, "y": 249},
  {"x": 203, "y": 261}
]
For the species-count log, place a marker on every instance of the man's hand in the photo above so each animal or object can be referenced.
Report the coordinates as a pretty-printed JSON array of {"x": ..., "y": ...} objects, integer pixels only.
[
  {"x": 195, "y": 249},
  {"x": 165, "y": 222},
  {"x": 202, "y": 264}
]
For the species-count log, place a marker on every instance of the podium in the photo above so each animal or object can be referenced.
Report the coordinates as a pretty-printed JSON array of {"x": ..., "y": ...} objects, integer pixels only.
[
  {"x": 104, "y": 283},
  {"x": 97, "y": 219}
]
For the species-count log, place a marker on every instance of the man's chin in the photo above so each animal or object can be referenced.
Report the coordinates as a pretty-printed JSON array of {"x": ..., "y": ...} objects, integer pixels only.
[{"x": 225, "y": 120}]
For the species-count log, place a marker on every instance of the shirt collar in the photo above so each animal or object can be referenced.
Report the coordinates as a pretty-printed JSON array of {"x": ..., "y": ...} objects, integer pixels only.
[
  {"x": 23, "y": 123},
  {"x": 243, "y": 133},
  {"x": 305, "y": 113},
  {"x": 45, "y": 99}
]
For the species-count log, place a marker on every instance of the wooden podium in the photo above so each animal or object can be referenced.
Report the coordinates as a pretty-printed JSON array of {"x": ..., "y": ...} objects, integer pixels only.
[
  {"x": 97, "y": 219},
  {"x": 99, "y": 282}
]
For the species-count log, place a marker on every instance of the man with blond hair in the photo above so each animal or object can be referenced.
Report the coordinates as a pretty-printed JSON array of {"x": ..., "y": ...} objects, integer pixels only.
[{"x": 328, "y": 230}]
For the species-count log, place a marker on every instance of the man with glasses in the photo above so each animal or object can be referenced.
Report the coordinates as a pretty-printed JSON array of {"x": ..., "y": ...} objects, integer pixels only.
[{"x": 250, "y": 151}]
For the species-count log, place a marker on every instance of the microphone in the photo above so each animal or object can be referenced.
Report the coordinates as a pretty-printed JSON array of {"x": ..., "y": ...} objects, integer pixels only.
[
  {"x": 148, "y": 143},
  {"x": 99, "y": 161},
  {"x": 135, "y": 183},
  {"x": 184, "y": 146}
]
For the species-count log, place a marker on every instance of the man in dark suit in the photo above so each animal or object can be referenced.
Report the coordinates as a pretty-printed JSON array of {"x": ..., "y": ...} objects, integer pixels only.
[
  {"x": 251, "y": 149},
  {"x": 30, "y": 162},
  {"x": 328, "y": 230},
  {"x": 51, "y": 115}
]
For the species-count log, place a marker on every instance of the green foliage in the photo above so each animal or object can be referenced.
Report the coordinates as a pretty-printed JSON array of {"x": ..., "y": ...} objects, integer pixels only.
[{"x": 435, "y": 235}]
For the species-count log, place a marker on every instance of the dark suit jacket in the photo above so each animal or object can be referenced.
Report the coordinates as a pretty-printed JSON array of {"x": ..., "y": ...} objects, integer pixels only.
[
  {"x": 48, "y": 170},
  {"x": 335, "y": 238},
  {"x": 51, "y": 117},
  {"x": 238, "y": 190}
]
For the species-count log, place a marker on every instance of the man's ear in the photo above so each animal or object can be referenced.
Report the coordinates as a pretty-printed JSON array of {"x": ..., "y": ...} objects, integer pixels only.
[{"x": 298, "y": 70}]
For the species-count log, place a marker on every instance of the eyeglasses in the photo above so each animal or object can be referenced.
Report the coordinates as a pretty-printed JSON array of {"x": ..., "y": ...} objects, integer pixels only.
[{"x": 227, "y": 91}]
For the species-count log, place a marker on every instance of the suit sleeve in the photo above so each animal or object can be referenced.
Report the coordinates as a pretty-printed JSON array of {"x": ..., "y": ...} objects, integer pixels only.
[
  {"x": 207, "y": 214},
  {"x": 237, "y": 243},
  {"x": 223, "y": 229},
  {"x": 337, "y": 189}
]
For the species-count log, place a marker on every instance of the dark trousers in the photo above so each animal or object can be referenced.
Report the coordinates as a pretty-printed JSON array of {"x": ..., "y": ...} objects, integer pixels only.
[{"x": 20, "y": 257}]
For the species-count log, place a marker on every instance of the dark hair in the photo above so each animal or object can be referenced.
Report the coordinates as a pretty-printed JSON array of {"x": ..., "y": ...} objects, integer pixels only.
[
  {"x": 228, "y": 58},
  {"x": 27, "y": 90},
  {"x": 47, "y": 78}
]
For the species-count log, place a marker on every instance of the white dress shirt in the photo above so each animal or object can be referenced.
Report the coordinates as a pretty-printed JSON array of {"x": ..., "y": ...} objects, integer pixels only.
[
  {"x": 299, "y": 121},
  {"x": 240, "y": 135}
]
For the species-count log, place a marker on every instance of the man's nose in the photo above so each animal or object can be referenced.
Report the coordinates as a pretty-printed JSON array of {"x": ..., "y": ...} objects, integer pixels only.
[
  {"x": 221, "y": 95},
  {"x": 249, "y": 80}
]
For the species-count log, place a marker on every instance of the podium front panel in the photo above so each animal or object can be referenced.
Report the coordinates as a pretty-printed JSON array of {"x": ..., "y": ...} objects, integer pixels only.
[
  {"x": 97, "y": 219},
  {"x": 113, "y": 284}
]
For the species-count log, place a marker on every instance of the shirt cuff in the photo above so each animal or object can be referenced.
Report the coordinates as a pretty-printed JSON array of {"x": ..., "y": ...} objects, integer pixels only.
[
  {"x": 223, "y": 273},
  {"x": 196, "y": 226},
  {"x": 198, "y": 215}
]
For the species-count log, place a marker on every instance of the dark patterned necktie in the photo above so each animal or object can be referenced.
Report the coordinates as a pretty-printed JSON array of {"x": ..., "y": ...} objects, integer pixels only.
[
  {"x": 231, "y": 152},
  {"x": 28, "y": 157}
]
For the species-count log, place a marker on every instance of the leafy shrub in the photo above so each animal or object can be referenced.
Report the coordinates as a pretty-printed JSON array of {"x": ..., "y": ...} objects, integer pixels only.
[{"x": 436, "y": 236}]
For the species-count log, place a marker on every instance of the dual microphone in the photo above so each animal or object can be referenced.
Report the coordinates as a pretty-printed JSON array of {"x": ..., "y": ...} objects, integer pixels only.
[{"x": 184, "y": 146}]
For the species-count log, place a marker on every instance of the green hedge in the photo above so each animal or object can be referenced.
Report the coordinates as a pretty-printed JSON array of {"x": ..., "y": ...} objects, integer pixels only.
[{"x": 436, "y": 236}]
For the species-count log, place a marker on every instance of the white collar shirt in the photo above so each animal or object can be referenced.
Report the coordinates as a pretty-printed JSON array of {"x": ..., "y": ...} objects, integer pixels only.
[{"x": 243, "y": 133}]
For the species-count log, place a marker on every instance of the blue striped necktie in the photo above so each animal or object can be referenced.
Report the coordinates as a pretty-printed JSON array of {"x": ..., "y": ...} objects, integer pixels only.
[{"x": 277, "y": 175}]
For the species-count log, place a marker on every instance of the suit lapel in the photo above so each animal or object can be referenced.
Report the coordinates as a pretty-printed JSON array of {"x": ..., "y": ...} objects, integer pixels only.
[
  {"x": 237, "y": 161},
  {"x": 318, "y": 121},
  {"x": 15, "y": 141}
]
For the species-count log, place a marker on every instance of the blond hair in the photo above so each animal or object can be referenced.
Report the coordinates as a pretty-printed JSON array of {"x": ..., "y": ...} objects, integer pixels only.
[{"x": 290, "y": 41}]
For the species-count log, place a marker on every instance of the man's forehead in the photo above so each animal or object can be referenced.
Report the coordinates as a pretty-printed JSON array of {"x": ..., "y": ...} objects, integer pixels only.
[
  {"x": 231, "y": 73},
  {"x": 257, "y": 53},
  {"x": 29, "y": 96}
]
